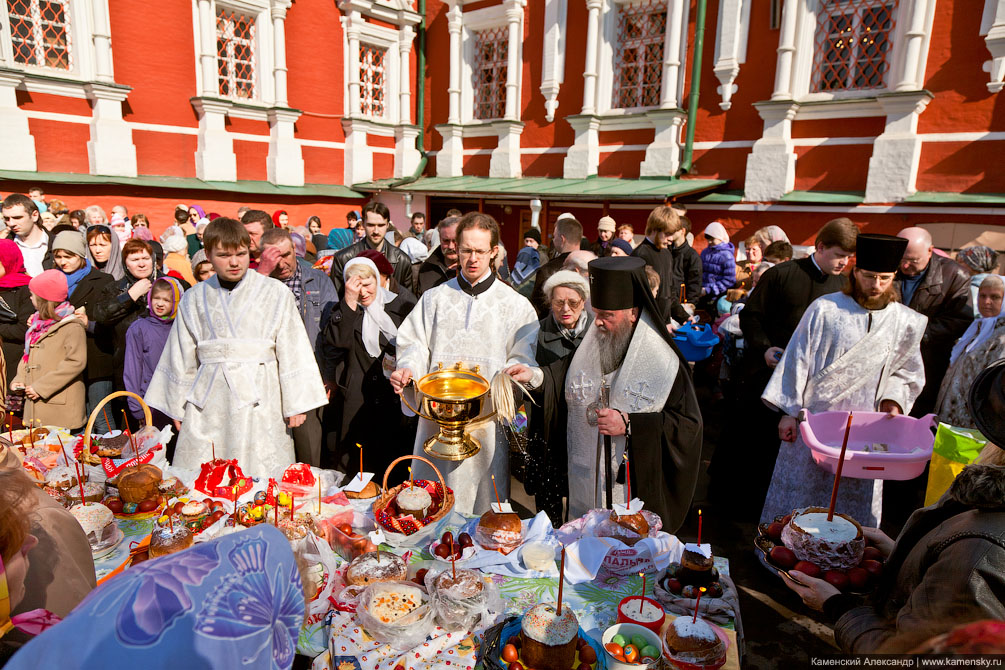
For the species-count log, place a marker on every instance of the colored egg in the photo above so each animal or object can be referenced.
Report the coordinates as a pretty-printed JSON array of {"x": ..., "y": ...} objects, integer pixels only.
[
  {"x": 631, "y": 653},
  {"x": 638, "y": 641},
  {"x": 620, "y": 640},
  {"x": 614, "y": 649},
  {"x": 587, "y": 655},
  {"x": 649, "y": 651},
  {"x": 509, "y": 653}
]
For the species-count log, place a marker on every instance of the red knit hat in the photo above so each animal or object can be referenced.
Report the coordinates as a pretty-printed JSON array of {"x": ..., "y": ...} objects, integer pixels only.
[
  {"x": 50, "y": 285},
  {"x": 384, "y": 266}
]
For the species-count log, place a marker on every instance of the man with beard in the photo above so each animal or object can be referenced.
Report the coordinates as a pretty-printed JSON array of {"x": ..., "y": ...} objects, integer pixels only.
[
  {"x": 376, "y": 219},
  {"x": 627, "y": 390},
  {"x": 858, "y": 350},
  {"x": 441, "y": 265}
]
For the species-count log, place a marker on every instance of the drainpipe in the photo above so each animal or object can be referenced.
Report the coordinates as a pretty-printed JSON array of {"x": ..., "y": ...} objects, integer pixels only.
[{"x": 692, "y": 103}]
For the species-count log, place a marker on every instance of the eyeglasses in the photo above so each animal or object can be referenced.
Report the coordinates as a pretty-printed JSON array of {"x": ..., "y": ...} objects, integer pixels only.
[
  {"x": 480, "y": 253},
  {"x": 573, "y": 303}
]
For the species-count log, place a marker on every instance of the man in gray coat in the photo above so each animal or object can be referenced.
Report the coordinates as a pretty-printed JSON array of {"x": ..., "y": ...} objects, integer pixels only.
[{"x": 316, "y": 297}]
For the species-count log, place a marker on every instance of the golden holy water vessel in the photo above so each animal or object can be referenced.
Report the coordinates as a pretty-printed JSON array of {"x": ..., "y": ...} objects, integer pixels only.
[{"x": 452, "y": 398}]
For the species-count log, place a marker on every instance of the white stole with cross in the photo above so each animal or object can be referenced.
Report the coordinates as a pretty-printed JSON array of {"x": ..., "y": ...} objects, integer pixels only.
[{"x": 641, "y": 384}]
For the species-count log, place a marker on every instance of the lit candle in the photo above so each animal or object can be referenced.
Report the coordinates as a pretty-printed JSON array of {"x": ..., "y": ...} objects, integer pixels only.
[{"x": 699, "y": 527}]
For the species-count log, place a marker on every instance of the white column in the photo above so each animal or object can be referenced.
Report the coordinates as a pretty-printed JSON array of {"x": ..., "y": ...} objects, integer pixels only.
[
  {"x": 455, "y": 23},
  {"x": 214, "y": 156},
  {"x": 907, "y": 78},
  {"x": 406, "y": 154},
  {"x": 514, "y": 21},
  {"x": 786, "y": 51},
  {"x": 207, "y": 49},
  {"x": 279, "y": 57},
  {"x": 110, "y": 150},
  {"x": 583, "y": 158},
  {"x": 450, "y": 157},
  {"x": 995, "y": 42},
  {"x": 771, "y": 164},
  {"x": 671, "y": 54},
  {"x": 285, "y": 162},
  {"x": 358, "y": 156},
  {"x": 505, "y": 159},
  {"x": 535, "y": 214},
  {"x": 663, "y": 153},
  {"x": 592, "y": 47},
  {"x": 405, "y": 37},
  {"x": 353, "y": 34},
  {"x": 15, "y": 137},
  {"x": 102, "y": 36},
  {"x": 896, "y": 153}
]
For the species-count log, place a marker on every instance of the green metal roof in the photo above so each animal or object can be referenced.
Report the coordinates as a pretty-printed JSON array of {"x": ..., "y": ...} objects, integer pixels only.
[
  {"x": 945, "y": 198},
  {"x": 591, "y": 188},
  {"x": 185, "y": 183},
  {"x": 824, "y": 197}
]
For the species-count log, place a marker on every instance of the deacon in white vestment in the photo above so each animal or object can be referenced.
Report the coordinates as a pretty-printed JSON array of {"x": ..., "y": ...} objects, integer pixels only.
[
  {"x": 858, "y": 351},
  {"x": 473, "y": 319},
  {"x": 238, "y": 368}
]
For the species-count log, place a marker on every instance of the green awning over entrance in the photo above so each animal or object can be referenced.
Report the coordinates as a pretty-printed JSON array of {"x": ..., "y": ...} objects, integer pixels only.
[{"x": 592, "y": 188}]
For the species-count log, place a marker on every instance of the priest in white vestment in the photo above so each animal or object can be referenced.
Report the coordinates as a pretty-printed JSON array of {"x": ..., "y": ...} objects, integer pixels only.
[
  {"x": 854, "y": 350},
  {"x": 473, "y": 319},
  {"x": 238, "y": 369}
]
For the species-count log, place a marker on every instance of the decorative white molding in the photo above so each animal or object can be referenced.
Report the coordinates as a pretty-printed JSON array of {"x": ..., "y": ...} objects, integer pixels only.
[
  {"x": 215, "y": 159},
  {"x": 450, "y": 158},
  {"x": 673, "y": 46},
  {"x": 993, "y": 29},
  {"x": 357, "y": 157},
  {"x": 771, "y": 164},
  {"x": 730, "y": 46},
  {"x": 285, "y": 162},
  {"x": 406, "y": 155},
  {"x": 583, "y": 158},
  {"x": 553, "y": 59},
  {"x": 398, "y": 12},
  {"x": 455, "y": 24},
  {"x": 110, "y": 150},
  {"x": 505, "y": 161},
  {"x": 590, "y": 69},
  {"x": 896, "y": 153},
  {"x": 15, "y": 136},
  {"x": 663, "y": 153}
]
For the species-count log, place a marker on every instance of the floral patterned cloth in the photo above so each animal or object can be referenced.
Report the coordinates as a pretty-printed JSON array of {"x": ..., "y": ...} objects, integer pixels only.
[
  {"x": 952, "y": 403},
  {"x": 234, "y": 602}
]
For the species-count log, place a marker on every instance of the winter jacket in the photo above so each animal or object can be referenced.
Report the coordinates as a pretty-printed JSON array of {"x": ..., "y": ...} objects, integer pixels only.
[
  {"x": 12, "y": 333},
  {"x": 553, "y": 345},
  {"x": 55, "y": 370},
  {"x": 718, "y": 268},
  {"x": 686, "y": 270},
  {"x": 100, "y": 337},
  {"x": 944, "y": 297},
  {"x": 396, "y": 257},
  {"x": 145, "y": 340},
  {"x": 318, "y": 302},
  {"x": 947, "y": 567}
]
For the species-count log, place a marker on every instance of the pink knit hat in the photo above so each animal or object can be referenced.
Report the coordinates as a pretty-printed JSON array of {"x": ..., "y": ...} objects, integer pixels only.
[{"x": 50, "y": 285}]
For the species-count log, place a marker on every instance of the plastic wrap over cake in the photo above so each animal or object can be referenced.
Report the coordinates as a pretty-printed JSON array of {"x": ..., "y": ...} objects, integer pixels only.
[
  {"x": 837, "y": 545},
  {"x": 599, "y": 542}
]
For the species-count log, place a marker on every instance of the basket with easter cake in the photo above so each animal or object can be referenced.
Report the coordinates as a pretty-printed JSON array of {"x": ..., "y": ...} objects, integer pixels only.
[{"x": 411, "y": 513}]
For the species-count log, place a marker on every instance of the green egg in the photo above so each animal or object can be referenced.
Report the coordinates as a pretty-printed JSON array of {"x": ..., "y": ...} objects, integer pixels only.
[
  {"x": 639, "y": 642},
  {"x": 619, "y": 640},
  {"x": 650, "y": 651}
]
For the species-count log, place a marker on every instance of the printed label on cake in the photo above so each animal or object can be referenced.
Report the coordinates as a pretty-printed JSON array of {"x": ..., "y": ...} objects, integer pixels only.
[
  {"x": 358, "y": 483},
  {"x": 629, "y": 561}
]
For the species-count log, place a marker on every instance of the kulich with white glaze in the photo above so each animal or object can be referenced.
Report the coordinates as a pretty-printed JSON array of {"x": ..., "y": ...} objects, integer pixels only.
[
  {"x": 375, "y": 566},
  {"x": 833, "y": 545},
  {"x": 693, "y": 641},
  {"x": 548, "y": 639},
  {"x": 414, "y": 501}
]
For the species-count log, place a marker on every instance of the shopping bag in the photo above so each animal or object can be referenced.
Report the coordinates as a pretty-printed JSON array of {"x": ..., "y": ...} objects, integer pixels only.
[{"x": 954, "y": 449}]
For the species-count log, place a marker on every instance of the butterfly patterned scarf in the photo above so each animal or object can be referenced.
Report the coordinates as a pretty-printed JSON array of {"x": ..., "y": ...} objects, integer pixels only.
[{"x": 233, "y": 602}]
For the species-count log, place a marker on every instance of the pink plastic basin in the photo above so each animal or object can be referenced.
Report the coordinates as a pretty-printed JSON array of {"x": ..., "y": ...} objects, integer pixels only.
[{"x": 909, "y": 441}]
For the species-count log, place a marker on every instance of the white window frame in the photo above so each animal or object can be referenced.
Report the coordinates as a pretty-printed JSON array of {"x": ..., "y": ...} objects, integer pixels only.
[
  {"x": 265, "y": 91},
  {"x": 386, "y": 39},
  {"x": 57, "y": 81},
  {"x": 256, "y": 74},
  {"x": 476, "y": 21},
  {"x": 474, "y": 68},
  {"x": 611, "y": 45}
]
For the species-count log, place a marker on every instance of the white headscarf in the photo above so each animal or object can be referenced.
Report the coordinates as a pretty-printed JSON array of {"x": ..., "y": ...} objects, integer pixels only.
[
  {"x": 979, "y": 331},
  {"x": 375, "y": 319}
]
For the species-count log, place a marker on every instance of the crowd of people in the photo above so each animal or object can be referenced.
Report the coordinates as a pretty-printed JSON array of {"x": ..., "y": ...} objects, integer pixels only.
[{"x": 274, "y": 345}]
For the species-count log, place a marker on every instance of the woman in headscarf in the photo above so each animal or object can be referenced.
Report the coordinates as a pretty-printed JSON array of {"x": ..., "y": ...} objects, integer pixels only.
[
  {"x": 85, "y": 286},
  {"x": 104, "y": 251},
  {"x": 195, "y": 214},
  {"x": 122, "y": 227},
  {"x": 176, "y": 258},
  {"x": 281, "y": 218},
  {"x": 980, "y": 261},
  {"x": 359, "y": 346},
  {"x": 981, "y": 344},
  {"x": 236, "y": 601},
  {"x": 17, "y": 301}
]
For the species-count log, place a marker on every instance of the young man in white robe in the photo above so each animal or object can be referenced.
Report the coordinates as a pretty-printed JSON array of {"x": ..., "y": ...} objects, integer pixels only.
[
  {"x": 855, "y": 350},
  {"x": 238, "y": 371},
  {"x": 473, "y": 319}
]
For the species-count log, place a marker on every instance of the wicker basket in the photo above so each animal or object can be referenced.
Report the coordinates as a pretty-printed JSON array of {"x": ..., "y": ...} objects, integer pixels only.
[
  {"x": 86, "y": 453},
  {"x": 389, "y": 494}
]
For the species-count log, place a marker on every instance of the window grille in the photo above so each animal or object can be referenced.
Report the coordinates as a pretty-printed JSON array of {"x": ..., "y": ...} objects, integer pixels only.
[
  {"x": 40, "y": 32},
  {"x": 638, "y": 60},
  {"x": 372, "y": 80},
  {"x": 235, "y": 54},
  {"x": 490, "y": 72},
  {"x": 852, "y": 44}
]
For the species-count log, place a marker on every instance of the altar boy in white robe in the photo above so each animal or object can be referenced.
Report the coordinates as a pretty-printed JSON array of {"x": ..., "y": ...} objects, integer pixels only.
[
  {"x": 854, "y": 350},
  {"x": 238, "y": 370},
  {"x": 473, "y": 319}
]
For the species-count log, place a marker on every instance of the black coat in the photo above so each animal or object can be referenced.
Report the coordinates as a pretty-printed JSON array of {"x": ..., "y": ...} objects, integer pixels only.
[
  {"x": 944, "y": 297},
  {"x": 537, "y": 297},
  {"x": 777, "y": 303},
  {"x": 100, "y": 337},
  {"x": 664, "y": 448},
  {"x": 12, "y": 332},
  {"x": 687, "y": 271},
  {"x": 434, "y": 271},
  {"x": 395, "y": 256},
  {"x": 552, "y": 345},
  {"x": 364, "y": 408},
  {"x": 668, "y": 297}
]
